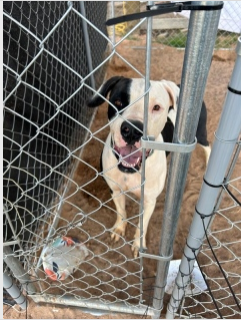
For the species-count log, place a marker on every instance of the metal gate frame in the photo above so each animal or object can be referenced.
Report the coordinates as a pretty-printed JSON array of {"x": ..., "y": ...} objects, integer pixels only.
[{"x": 202, "y": 32}]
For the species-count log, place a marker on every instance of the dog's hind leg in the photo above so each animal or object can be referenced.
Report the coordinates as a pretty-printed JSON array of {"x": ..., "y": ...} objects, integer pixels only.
[{"x": 119, "y": 227}]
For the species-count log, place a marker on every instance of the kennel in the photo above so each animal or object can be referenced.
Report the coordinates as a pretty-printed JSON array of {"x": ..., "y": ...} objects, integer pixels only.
[{"x": 55, "y": 57}]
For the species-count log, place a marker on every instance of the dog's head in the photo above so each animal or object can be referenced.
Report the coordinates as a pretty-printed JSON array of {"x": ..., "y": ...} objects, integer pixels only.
[{"x": 126, "y": 114}]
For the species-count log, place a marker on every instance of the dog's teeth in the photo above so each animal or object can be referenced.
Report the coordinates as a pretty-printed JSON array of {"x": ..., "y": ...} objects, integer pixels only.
[{"x": 126, "y": 164}]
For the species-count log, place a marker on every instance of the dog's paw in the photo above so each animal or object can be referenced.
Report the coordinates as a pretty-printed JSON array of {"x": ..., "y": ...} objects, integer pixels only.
[
  {"x": 118, "y": 231},
  {"x": 135, "y": 251},
  {"x": 136, "y": 247}
]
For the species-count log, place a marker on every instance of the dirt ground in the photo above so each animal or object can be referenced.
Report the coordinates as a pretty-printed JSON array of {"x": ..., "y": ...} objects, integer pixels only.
[{"x": 166, "y": 63}]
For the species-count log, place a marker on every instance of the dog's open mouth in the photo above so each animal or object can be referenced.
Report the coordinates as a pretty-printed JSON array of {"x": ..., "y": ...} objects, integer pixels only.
[{"x": 129, "y": 157}]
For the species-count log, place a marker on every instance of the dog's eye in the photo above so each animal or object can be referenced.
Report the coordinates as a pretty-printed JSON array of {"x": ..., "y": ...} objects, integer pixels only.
[
  {"x": 156, "y": 107},
  {"x": 118, "y": 103}
]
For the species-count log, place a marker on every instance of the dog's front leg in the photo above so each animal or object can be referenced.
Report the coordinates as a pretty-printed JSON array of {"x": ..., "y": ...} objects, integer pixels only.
[
  {"x": 149, "y": 207},
  {"x": 119, "y": 227}
]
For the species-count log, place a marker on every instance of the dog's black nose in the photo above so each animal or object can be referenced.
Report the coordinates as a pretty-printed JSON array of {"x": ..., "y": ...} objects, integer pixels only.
[{"x": 132, "y": 131}]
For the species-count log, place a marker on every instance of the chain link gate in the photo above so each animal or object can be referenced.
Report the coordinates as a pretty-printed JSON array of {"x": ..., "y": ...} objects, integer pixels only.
[{"x": 56, "y": 54}]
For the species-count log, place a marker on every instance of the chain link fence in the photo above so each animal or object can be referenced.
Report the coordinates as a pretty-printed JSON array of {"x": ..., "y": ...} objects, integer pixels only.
[
  {"x": 171, "y": 29},
  {"x": 219, "y": 258},
  {"x": 55, "y": 56},
  {"x": 45, "y": 63}
]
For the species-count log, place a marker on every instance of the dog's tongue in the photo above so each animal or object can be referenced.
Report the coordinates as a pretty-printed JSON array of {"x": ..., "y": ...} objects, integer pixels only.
[{"x": 130, "y": 154}]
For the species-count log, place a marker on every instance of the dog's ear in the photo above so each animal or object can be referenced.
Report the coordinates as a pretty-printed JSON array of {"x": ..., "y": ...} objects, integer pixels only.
[
  {"x": 103, "y": 91},
  {"x": 173, "y": 91}
]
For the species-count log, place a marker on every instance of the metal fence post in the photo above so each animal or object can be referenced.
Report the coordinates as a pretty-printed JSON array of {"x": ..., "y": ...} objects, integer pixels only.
[
  {"x": 14, "y": 292},
  {"x": 87, "y": 44},
  {"x": 18, "y": 271},
  {"x": 146, "y": 103},
  {"x": 202, "y": 32},
  {"x": 224, "y": 145}
]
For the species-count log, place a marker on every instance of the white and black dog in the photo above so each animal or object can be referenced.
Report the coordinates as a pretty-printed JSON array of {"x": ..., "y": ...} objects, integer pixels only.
[{"x": 122, "y": 154}]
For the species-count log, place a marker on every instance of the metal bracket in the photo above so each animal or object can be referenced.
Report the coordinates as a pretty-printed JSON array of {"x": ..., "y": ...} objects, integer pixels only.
[
  {"x": 154, "y": 10},
  {"x": 150, "y": 143},
  {"x": 155, "y": 257}
]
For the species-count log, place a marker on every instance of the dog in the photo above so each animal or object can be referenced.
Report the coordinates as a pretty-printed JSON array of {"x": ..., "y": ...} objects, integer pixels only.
[{"x": 121, "y": 159}]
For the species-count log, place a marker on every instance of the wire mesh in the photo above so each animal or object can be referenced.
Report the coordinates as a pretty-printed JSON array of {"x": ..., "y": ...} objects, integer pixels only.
[
  {"x": 46, "y": 126},
  {"x": 47, "y": 129},
  {"x": 223, "y": 241},
  {"x": 44, "y": 98}
]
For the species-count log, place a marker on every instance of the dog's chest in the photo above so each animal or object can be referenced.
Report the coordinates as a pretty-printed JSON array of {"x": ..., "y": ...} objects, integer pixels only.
[
  {"x": 132, "y": 182},
  {"x": 125, "y": 181},
  {"x": 131, "y": 179}
]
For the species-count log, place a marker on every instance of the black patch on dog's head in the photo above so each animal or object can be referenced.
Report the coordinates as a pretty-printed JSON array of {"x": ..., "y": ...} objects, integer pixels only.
[
  {"x": 119, "y": 89},
  {"x": 119, "y": 97}
]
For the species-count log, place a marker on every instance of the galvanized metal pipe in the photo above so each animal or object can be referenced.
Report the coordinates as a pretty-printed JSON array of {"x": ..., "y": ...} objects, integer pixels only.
[
  {"x": 202, "y": 32},
  {"x": 18, "y": 271},
  {"x": 14, "y": 292},
  {"x": 146, "y": 104},
  {"x": 226, "y": 137},
  {"x": 92, "y": 305},
  {"x": 87, "y": 44}
]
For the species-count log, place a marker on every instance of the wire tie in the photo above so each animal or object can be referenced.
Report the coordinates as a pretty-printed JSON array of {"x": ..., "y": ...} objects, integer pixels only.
[{"x": 202, "y": 215}]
